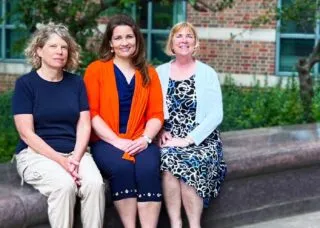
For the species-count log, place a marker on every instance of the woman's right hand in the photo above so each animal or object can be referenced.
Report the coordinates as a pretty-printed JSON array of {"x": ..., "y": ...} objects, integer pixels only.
[
  {"x": 71, "y": 166},
  {"x": 122, "y": 144},
  {"x": 164, "y": 136}
]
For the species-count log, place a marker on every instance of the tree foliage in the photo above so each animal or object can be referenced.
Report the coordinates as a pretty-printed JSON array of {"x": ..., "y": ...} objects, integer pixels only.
[
  {"x": 81, "y": 17},
  {"x": 303, "y": 14}
]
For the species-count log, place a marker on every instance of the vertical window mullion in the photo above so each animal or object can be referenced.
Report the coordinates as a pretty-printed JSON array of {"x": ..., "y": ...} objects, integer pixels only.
[
  {"x": 134, "y": 11},
  {"x": 3, "y": 29},
  {"x": 278, "y": 39},
  {"x": 149, "y": 30}
]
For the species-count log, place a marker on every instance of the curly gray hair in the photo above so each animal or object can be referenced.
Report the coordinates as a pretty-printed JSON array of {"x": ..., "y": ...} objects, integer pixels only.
[{"x": 41, "y": 36}]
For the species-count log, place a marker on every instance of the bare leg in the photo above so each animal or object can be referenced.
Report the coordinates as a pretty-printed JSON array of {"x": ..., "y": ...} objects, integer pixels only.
[
  {"x": 149, "y": 214},
  {"x": 193, "y": 205},
  {"x": 172, "y": 198},
  {"x": 127, "y": 209}
]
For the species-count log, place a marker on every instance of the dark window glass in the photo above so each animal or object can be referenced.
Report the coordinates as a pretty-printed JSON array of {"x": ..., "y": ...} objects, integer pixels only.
[
  {"x": 158, "y": 45},
  {"x": 302, "y": 25},
  {"x": 14, "y": 42},
  {"x": 293, "y": 49}
]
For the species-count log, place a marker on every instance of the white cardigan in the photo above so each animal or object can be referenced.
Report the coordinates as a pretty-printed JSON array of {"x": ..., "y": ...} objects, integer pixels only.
[{"x": 209, "y": 110}]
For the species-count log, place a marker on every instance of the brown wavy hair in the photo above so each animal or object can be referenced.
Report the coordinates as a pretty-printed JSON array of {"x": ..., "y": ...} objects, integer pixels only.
[
  {"x": 138, "y": 58},
  {"x": 42, "y": 35}
]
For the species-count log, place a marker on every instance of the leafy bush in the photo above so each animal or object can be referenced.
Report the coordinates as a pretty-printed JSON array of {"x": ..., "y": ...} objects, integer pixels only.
[
  {"x": 8, "y": 134},
  {"x": 263, "y": 106}
]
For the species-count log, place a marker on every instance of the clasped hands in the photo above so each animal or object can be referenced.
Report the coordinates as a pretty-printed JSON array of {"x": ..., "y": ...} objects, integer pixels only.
[
  {"x": 166, "y": 140},
  {"x": 132, "y": 147},
  {"x": 71, "y": 165}
]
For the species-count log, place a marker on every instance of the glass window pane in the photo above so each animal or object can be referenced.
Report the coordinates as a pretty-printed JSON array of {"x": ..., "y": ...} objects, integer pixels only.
[
  {"x": 293, "y": 49},
  {"x": 14, "y": 43},
  {"x": 294, "y": 27},
  {"x": 162, "y": 15},
  {"x": 10, "y": 8},
  {"x": 157, "y": 49},
  {"x": 141, "y": 14},
  {"x": 145, "y": 39}
]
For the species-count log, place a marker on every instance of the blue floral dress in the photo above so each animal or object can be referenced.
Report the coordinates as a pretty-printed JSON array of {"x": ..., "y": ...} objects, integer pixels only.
[{"x": 202, "y": 166}]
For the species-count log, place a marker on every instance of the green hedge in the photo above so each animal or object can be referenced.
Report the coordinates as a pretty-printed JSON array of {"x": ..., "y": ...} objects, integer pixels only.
[
  {"x": 262, "y": 106},
  {"x": 243, "y": 108},
  {"x": 8, "y": 134}
]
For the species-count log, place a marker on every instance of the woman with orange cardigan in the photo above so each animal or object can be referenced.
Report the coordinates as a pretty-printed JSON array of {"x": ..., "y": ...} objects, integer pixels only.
[{"x": 126, "y": 109}]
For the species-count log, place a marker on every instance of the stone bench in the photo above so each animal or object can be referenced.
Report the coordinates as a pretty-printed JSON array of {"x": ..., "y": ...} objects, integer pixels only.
[{"x": 272, "y": 172}]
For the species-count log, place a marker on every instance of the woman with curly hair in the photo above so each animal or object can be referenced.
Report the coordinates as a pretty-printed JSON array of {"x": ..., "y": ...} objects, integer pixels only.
[{"x": 51, "y": 114}]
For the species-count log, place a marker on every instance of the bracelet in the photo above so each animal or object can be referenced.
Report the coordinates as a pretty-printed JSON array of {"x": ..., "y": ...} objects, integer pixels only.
[{"x": 147, "y": 138}]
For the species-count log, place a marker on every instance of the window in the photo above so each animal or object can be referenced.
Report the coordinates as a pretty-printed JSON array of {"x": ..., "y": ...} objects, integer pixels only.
[
  {"x": 9, "y": 34},
  {"x": 155, "y": 20},
  {"x": 294, "y": 41}
]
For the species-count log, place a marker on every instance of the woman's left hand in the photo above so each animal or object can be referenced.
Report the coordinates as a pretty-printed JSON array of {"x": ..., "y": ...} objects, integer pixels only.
[
  {"x": 137, "y": 146},
  {"x": 177, "y": 142}
]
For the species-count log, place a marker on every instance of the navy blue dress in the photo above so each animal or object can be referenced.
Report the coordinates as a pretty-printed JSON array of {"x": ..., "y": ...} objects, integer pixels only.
[{"x": 139, "y": 180}]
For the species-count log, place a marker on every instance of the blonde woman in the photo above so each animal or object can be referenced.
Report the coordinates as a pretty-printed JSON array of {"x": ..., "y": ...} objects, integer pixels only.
[{"x": 191, "y": 154}]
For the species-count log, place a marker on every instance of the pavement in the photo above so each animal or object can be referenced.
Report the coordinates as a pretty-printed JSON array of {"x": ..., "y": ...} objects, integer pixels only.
[{"x": 308, "y": 220}]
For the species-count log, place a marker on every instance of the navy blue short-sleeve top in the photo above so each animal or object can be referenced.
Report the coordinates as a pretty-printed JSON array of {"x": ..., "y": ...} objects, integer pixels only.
[{"x": 55, "y": 107}]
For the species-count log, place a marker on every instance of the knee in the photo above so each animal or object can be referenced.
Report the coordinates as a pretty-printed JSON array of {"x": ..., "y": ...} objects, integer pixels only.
[
  {"x": 167, "y": 176},
  {"x": 94, "y": 185},
  {"x": 66, "y": 186}
]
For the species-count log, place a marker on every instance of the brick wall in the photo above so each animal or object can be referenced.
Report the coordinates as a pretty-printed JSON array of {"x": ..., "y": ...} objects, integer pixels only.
[
  {"x": 239, "y": 57},
  {"x": 7, "y": 81},
  {"x": 232, "y": 55},
  {"x": 239, "y": 16}
]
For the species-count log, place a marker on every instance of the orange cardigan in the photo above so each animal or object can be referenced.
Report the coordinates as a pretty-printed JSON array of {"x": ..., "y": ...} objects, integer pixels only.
[{"x": 103, "y": 99}]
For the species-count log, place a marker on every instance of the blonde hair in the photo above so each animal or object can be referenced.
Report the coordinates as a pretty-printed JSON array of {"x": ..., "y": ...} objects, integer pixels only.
[
  {"x": 176, "y": 28},
  {"x": 42, "y": 35}
]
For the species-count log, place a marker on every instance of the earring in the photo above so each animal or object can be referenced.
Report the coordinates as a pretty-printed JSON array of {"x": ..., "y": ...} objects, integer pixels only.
[{"x": 111, "y": 50}]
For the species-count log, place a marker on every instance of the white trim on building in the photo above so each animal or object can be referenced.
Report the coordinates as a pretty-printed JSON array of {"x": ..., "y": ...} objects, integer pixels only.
[
  {"x": 262, "y": 35},
  {"x": 14, "y": 68},
  {"x": 249, "y": 80}
]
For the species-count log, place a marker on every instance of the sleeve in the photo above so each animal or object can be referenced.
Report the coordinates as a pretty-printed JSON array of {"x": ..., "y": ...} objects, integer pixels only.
[
  {"x": 214, "y": 114},
  {"x": 22, "y": 99},
  {"x": 84, "y": 106},
  {"x": 155, "y": 100},
  {"x": 91, "y": 81}
]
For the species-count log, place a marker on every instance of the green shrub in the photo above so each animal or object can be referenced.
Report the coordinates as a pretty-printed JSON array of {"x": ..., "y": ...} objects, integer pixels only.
[
  {"x": 8, "y": 134},
  {"x": 263, "y": 106}
]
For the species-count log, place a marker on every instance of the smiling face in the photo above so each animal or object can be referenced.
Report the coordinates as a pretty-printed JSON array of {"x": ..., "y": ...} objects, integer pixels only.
[
  {"x": 123, "y": 41},
  {"x": 54, "y": 53},
  {"x": 183, "y": 42}
]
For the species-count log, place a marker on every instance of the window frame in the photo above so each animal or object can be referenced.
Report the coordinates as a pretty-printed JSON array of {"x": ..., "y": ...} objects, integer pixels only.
[
  {"x": 315, "y": 36},
  {"x": 5, "y": 27},
  {"x": 149, "y": 31}
]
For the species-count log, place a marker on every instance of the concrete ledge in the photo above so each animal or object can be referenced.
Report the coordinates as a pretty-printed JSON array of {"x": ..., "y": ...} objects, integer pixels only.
[
  {"x": 266, "y": 150},
  {"x": 269, "y": 170}
]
